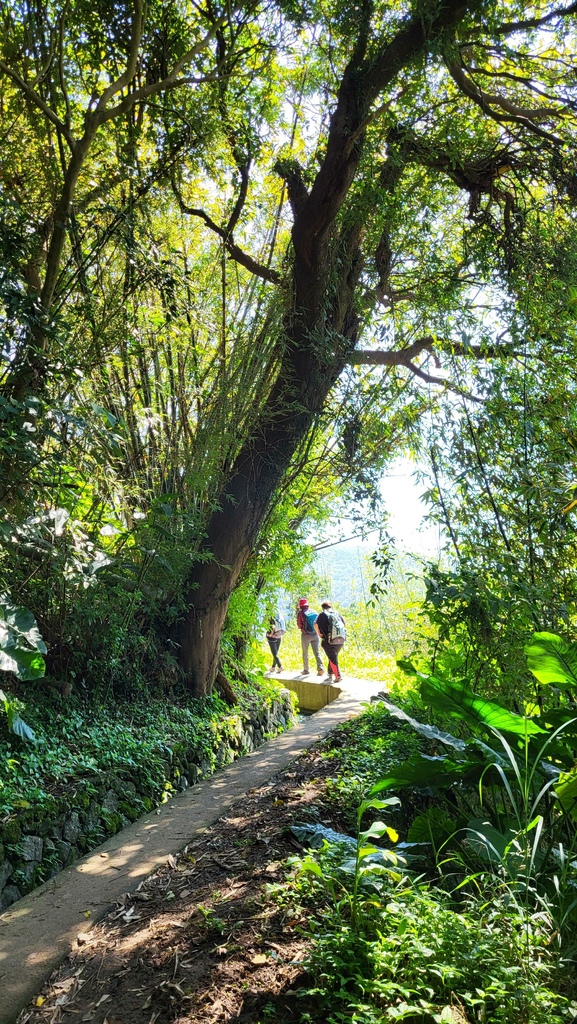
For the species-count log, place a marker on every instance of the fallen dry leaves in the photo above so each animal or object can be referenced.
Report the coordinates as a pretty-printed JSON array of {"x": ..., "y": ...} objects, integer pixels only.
[{"x": 199, "y": 941}]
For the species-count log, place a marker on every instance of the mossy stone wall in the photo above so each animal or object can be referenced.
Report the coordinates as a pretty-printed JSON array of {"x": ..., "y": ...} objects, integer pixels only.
[{"x": 37, "y": 843}]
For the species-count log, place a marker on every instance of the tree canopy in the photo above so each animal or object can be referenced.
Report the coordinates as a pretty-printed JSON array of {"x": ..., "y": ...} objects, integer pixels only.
[{"x": 249, "y": 254}]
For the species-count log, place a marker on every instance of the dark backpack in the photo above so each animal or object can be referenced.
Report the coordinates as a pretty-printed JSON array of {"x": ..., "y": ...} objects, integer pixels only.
[
  {"x": 337, "y": 629},
  {"x": 310, "y": 618}
]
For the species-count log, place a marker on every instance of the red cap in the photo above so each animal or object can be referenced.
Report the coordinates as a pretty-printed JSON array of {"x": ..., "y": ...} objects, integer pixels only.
[{"x": 303, "y": 603}]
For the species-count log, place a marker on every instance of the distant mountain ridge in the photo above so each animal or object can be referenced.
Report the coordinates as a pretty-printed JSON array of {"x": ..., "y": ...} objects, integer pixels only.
[{"x": 345, "y": 572}]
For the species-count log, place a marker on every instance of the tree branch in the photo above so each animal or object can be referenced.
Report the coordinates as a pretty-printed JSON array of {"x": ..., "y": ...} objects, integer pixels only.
[
  {"x": 236, "y": 253},
  {"x": 130, "y": 70},
  {"x": 516, "y": 26},
  {"x": 62, "y": 212},
  {"x": 506, "y": 104},
  {"x": 170, "y": 82},
  {"x": 291, "y": 173},
  {"x": 404, "y": 356},
  {"x": 484, "y": 100},
  {"x": 362, "y": 82},
  {"x": 33, "y": 96},
  {"x": 93, "y": 120},
  {"x": 391, "y": 357},
  {"x": 243, "y": 170},
  {"x": 132, "y": 98},
  {"x": 61, "y": 63},
  {"x": 429, "y": 379},
  {"x": 389, "y": 178}
]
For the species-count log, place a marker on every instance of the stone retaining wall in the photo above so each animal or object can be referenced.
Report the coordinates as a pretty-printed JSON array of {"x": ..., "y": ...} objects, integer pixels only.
[{"x": 39, "y": 842}]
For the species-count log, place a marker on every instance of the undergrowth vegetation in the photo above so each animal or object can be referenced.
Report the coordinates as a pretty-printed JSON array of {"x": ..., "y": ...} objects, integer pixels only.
[
  {"x": 453, "y": 900},
  {"x": 417, "y": 955},
  {"x": 77, "y": 743},
  {"x": 364, "y": 751}
]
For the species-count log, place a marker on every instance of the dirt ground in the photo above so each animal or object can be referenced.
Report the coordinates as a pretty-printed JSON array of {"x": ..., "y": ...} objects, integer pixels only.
[{"x": 202, "y": 940}]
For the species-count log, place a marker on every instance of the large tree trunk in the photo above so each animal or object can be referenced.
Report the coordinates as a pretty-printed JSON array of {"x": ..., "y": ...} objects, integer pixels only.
[
  {"x": 320, "y": 333},
  {"x": 234, "y": 528}
]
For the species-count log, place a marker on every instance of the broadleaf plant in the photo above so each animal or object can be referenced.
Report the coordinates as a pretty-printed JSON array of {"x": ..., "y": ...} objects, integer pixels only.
[
  {"x": 552, "y": 660},
  {"x": 21, "y": 645},
  {"x": 521, "y": 773},
  {"x": 456, "y": 699},
  {"x": 16, "y": 724}
]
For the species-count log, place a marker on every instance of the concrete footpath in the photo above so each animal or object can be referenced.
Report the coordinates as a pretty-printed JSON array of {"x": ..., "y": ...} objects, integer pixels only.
[{"x": 38, "y": 932}]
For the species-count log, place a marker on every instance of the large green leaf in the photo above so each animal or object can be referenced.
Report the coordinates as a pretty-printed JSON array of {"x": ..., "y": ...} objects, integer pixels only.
[
  {"x": 487, "y": 841},
  {"x": 21, "y": 645},
  {"x": 474, "y": 748},
  {"x": 434, "y": 826},
  {"x": 16, "y": 724},
  {"x": 455, "y": 699},
  {"x": 566, "y": 791},
  {"x": 423, "y": 772},
  {"x": 26, "y": 665},
  {"x": 20, "y": 619},
  {"x": 20, "y": 728},
  {"x": 552, "y": 660}
]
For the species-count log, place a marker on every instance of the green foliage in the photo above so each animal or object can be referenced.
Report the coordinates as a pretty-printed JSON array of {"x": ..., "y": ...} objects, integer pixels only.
[
  {"x": 138, "y": 351},
  {"x": 21, "y": 645},
  {"x": 455, "y": 699},
  {"x": 345, "y": 877},
  {"x": 79, "y": 743},
  {"x": 499, "y": 481},
  {"x": 513, "y": 790},
  {"x": 553, "y": 660},
  {"x": 415, "y": 956},
  {"x": 479, "y": 620},
  {"x": 365, "y": 750},
  {"x": 414, "y": 951},
  {"x": 388, "y": 948}
]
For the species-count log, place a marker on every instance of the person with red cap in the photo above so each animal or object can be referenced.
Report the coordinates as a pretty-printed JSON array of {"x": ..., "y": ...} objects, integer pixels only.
[{"x": 306, "y": 619}]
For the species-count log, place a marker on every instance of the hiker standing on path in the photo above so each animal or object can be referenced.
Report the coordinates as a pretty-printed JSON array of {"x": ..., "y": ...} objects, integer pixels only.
[
  {"x": 330, "y": 626},
  {"x": 274, "y": 635},
  {"x": 306, "y": 619}
]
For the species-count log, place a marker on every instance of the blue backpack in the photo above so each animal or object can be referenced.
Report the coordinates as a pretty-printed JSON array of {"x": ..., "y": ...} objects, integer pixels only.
[{"x": 310, "y": 619}]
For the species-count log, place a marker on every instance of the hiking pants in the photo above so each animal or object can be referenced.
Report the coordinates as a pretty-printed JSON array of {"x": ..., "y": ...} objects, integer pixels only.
[
  {"x": 312, "y": 640},
  {"x": 274, "y": 648},
  {"x": 332, "y": 653}
]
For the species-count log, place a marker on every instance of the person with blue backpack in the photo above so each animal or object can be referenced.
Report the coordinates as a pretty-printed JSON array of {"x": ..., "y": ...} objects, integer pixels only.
[
  {"x": 331, "y": 629},
  {"x": 306, "y": 619}
]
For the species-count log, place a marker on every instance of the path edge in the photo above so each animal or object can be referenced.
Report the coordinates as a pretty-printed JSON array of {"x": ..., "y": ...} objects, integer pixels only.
[{"x": 39, "y": 931}]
